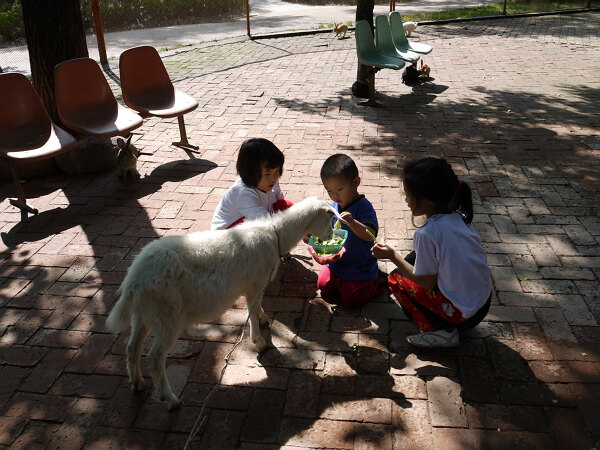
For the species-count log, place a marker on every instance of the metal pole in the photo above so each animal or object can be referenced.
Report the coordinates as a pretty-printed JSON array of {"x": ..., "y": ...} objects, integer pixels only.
[
  {"x": 248, "y": 17},
  {"x": 393, "y": 5},
  {"x": 504, "y": 9},
  {"x": 588, "y": 4},
  {"x": 99, "y": 31}
]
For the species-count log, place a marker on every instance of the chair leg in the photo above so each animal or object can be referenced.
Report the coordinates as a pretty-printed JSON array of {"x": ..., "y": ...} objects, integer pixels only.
[
  {"x": 20, "y": 202},
  {"x": 371, "y": 82},
  {"x": 183, "y": 142}
]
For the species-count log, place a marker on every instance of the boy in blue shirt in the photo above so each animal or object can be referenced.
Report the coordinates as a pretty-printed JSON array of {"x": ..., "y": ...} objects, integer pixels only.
[{"x": 353, "y": 276}]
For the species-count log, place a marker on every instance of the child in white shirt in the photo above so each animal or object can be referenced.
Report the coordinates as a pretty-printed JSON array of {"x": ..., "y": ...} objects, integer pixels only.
[
  {"x": 256, "y": 192},
  {"x": 445, "y": 285}
]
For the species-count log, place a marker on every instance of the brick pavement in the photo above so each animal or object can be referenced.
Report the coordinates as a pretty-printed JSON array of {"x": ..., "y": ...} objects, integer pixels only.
[{"x": 513, "y": 105}]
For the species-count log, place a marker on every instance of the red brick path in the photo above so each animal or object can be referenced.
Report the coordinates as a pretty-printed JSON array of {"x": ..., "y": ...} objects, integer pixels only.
[{"x": 513, "y": 105}]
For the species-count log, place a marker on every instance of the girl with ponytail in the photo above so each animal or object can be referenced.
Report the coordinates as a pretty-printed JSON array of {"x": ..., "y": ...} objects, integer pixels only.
[{"x": 445, "y": 284}]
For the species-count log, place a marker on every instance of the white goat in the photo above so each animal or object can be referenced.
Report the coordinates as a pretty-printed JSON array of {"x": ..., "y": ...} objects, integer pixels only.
[{"x": 178, "y": 281}]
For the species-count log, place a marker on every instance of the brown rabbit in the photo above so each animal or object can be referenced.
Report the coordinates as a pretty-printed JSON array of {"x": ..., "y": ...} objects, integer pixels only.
[
  {"x": 339, "y": 28},
  {"x": 127, "y": 159}
]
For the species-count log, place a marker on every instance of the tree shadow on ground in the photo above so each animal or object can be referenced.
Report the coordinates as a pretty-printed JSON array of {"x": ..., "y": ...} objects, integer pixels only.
[
  {"x": 288, "y": 386},
  {"x": 60, "y": 276},
  {"x": 499, "y": 387},
  {"x": 515, "y": 128}
]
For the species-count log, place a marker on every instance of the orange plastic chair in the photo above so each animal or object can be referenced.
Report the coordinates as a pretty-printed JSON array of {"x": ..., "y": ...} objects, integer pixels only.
[
  {"x": 27, "y": 133},
  {"x": 147, "y": 88},
  {"x": 86, "y": 103}
]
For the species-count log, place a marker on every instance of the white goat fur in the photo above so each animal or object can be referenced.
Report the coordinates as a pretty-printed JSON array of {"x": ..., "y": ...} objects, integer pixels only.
[{"x": 178, "y": 281}]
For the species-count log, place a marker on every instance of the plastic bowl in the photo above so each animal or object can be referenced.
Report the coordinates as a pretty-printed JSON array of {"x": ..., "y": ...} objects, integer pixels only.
[{"x": 329, "y": 249}]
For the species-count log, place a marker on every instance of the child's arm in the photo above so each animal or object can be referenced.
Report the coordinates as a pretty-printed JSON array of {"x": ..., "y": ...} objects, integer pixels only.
[
  {"x": 278, "y": 192},
  {"x": 363, "y": 231},
  {"x": 382, "y": 251},
  {"x": 248, "y": 204}
]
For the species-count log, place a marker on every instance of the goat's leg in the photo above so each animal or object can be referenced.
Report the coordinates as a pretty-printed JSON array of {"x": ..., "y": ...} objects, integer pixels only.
[
  {"x": 263, "y": 319},
  {"x": 259, "y": 341},
  {"x": 139, "y": 333},
  {"x": 164, "y": 339}
]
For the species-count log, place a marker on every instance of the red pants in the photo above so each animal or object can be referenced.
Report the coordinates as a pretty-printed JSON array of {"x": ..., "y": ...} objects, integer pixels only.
[
  {"x": 279, "y": 205},
  {"x": 353, "y": 292},
  {"x": 424, "y": 306}
]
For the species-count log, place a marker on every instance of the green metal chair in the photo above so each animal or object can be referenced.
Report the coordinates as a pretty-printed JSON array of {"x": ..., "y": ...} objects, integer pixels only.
[
  {"x": 368, "y": 54},
  {"x": 399, "y": 36},
  {"x": 385, "y": 43}
]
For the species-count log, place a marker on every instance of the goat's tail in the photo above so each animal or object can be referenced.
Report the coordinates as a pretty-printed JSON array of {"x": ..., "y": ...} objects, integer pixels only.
[{"x": 119, "y": 318}]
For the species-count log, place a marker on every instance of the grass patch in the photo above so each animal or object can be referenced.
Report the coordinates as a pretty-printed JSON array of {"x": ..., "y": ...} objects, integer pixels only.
[{"x": 495, "y": 9}]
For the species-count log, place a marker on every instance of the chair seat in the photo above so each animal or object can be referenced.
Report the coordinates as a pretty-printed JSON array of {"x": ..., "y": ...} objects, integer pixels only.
[
  {"x": 27, "y": 134},
  {"x": 368, "y": 54},
  {"x": 162, "y": 104},
  {"x": 382, "y": 61},
  {"x": 103, "y": 123},
  {"x": 85, "y": 101},
  {"x": 384, "y": 42},
  {"x": 417, "y": 47},
  {"x": 399, "y": 36},
  {"x": 52, "y": 142}
]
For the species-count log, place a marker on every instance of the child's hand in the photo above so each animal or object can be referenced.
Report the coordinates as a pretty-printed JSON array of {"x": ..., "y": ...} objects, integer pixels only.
[
  {"x": 347, "y": 218},
  {"x": 382, "y": 251}
]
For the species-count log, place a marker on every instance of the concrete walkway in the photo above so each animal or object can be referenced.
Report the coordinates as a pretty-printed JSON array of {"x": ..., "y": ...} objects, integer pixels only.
[
  {"x": 515, "y": 119},
  {"x": 266, "y": 16}
]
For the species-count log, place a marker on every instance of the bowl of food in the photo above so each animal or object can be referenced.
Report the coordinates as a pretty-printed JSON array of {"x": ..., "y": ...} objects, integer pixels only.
[{"x": 330, "y": 247}]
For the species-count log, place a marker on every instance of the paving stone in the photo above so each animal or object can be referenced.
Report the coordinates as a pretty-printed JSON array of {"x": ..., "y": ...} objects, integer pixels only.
[
  {"x": 10, "y": 428},
  {"x": 505, "y": 418},
  {"x": 456, "y": 438},
  {"x": 222, "y": 429},
  {"x": 422, "y": 365},
  {"x": 535, "y": 194},
  {"x": 265, "y": 403},
  {"x": 568, "y": 429},
  {"x": 47, "y": 371},
  {"x": 445, "y": 403},
  {"x": 555, "y": 325},
  {"x": 510, "y": 314},
  {"x": 565, "y": 372},
  {"x": 302, "y": 397},
  {"x": 478, "y": 381},
  {"x": 309, "y": 433},
  {"x": 372, "y": 410},
  {"x": 51, "y": 408}
]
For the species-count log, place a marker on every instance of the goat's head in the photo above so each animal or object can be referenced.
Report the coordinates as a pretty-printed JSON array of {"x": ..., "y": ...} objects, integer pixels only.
[{"x": 320, "y": 225}]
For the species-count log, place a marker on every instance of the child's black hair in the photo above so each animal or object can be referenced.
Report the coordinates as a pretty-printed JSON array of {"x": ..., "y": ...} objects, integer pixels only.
[
  {"x": 433, "y": 179},
  {"x": 255, "y": 152},
  {"x": 339, "y": 164}
]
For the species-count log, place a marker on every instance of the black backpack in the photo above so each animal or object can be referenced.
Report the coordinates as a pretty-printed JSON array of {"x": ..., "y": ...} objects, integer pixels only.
[
  {"x": 410, "y": 75},
  {"x": 360, "y": 89}
]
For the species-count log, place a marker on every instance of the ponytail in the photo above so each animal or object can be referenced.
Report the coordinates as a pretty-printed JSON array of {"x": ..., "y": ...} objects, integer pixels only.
[
  {"x": 463, "y": 202},
  {"x": 433, "y": 179}
]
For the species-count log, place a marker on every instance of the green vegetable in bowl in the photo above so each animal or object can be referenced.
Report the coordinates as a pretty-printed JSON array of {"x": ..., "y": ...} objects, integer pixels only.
[{"x": 335, "y": 241}]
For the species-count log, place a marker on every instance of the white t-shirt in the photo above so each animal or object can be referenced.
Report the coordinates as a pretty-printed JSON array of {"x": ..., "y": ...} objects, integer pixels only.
[
  {"x": 242, "y": 200},
  {"x": 450, "y": 248}
]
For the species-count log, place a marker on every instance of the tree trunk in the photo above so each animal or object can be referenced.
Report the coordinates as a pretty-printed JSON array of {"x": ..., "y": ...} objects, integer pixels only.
[
  {"x": 55, "y": 33},
  {"x": 364, "y": 11}
]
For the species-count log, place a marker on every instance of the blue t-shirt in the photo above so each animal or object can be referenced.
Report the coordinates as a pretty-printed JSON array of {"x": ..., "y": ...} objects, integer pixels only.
[{"x": 357, "y": 263}]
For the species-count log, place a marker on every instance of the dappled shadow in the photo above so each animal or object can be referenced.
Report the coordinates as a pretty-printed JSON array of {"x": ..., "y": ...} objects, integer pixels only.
[
  {"x": 105, "y": 189},
  {"x": 513, "y": 127},
  {"x": 59, "y": 279}
]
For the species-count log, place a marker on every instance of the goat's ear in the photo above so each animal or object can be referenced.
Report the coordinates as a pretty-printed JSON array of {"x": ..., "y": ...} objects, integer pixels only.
[{"x": 120, "y": 143}]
